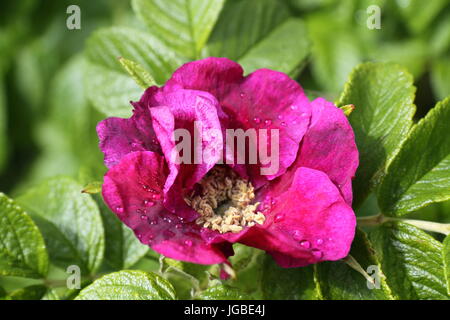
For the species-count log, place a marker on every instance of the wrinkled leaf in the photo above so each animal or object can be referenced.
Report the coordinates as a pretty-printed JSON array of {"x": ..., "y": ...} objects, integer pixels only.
[
  {"x": 383, "y": 96},
  {"x": 128, "y": 285},
  {"x": 420, "y": 174},
  {"x": 70, "y": 222},
  {"x": 411, "y": 261},
  {"x": 22, "y": 248}
]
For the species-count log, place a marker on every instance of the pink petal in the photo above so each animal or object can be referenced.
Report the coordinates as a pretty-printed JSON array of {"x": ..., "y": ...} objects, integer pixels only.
[
  {"x": 265, "y": 99},
  {"x": 133, "y": 189},
  {"x": 179, "y": 110},
  {"x": 118, "y": 137},
  {"x": 307, "y": 220},
  {"x": 329, "y": 146}
]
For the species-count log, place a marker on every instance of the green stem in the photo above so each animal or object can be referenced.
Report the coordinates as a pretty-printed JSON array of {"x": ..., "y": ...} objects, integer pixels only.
[{"x": 376, "y": 220}]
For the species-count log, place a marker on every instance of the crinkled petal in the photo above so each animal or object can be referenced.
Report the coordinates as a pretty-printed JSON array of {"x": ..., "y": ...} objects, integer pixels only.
[
  {"x": 265, "y": 99},
  {"x": 270, "y": 100},
  {"x": 329, "y": 146},
  {"x": 307, "y": 220},
  {"x": 118, "y": 137},
  {"x": 133, "y": 189}
]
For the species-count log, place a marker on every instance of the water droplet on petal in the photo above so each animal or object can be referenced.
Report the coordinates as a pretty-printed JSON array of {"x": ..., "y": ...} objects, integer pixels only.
[
  {"x": 280, "y": 117},
  {"x": 305, "y": 244},
  {"x": 167, "y": 219},
  {"x": 188, "y": 243},
  {"x": 283, "y": 124},
  {"x": 179, "y": 226},
  {"x": 149, "y": 203},
  {"x": 317, "y": 253},
  {"x": 153, "y": 222},
  {"x": 257, "y": 120},
  {"x": 119, "y": 209},
  {"x": 297, "y": 235},
  {"x": 294, "y": 107},
  {"x": 267, "y": 122},
  {"x": 279, "y": 218},
  {"x": 156, "y": 196},
  {"x": 273, "y": 202},
  {"x": 319, "y": 242},
  {"x": 144, "y": 217},
  {"x": 242, "y": 94}
]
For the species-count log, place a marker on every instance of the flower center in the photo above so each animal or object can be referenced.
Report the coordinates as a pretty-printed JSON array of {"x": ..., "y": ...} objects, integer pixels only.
[{"x": 224, "y": 202}]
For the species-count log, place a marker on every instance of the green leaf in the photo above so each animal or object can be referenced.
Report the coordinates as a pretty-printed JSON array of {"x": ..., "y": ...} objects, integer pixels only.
[
  {"x": 93, "y": 187},
  {"x": 128, "y": 285},
  {"x": 222, "y": 292},
  {"x": 420, "y": 174},
  {"x": 184, "y": 25},
  {"x": 440, "y": 77},
  {"x": 122, "y": 247},
  {"x": 108, "y": 85},
  {"x": 277, "y": 51},
  {"x": 411, "y": 261},
  {"x": 417, "y": 16},
  {"x": 138, "y": 73},
  {"x": 335, "y": 50},
  {"x": 34, "y": 292},
  {"x": 22, "y": 248},
  {"x": 70, "y": 222},
  {"x": 337, "y": 281},
  {"x": 383, "y": 96},
  {"x": 3, "y": 125},
  {"x": 446, "y": 256},
  {"x": 291, "y": 284},
  {"x": 235, "y": 34}
]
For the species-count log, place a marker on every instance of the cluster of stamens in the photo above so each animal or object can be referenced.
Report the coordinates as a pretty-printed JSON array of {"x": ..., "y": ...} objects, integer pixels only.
[{"x": 224, "y": 202}]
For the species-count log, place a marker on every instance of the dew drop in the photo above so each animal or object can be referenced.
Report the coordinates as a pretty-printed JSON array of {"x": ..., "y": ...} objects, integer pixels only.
[
  {"x": 273, "y": 202},
  {"x": 267, "y": 122},
  {"x": 279, "y": 218},
  {"x": 153, "y": 222},
  {"x": 242, "y": 94},
  {"x": 319, "y": 242},
  {"x": 169, "y": 234},
  {"x": 297, "y": 235},
  {"x": 167, "y": 219},
  {"x": 283, "y": 124},
  {"x": 144, "y": 217},
  {"x": 280, "y": 117},
  {"x": 188, "y": 243},
  {"x": 179, "y": 226},
  {"x": 317, "y": 253},
  {"x": 156, "y": 196},
  {"x": 119, "y": 209},
  {"x": 293, "y": 107},
  {"x": 305, "y": 244},
  {"x": 257, "y": 120}
]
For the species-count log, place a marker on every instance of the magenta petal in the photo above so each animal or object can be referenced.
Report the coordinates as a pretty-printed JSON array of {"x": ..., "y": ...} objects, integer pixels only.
[
  {"x": 182, "y": 110},
  {"x": 133, "y": 189},
  {"x": 268, "y": 99},
  {"x": 118, "y": 137},
  {"x": 214, "y": 75},
  {"x": 308, "y": 221},
  {"x": 329, "y": 146}
]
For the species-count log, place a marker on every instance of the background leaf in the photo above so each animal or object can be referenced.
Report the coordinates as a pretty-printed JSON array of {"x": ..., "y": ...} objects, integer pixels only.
[
  {"x": 291, "y": 284},
  {"x": 446, "y": 255},
  {"x": 420, "y": 174},
  {"x": 184, "y": 25},
  {"x": 222, "y": 292},
  {"x": 411, "y": 261},
  {"x": 22, "y": 248},
  {"x": 122, "y": 247},
  {"x": 383, "y": 96},
  {"x": 284, "y": 49},
  {"x": 337, "y": 281},
  {"x": 235, "y": 33},
  {"x": 108, "y": 85},
  {"x": 70, "y": 222},
  {"x": 128, "y": 285}
]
